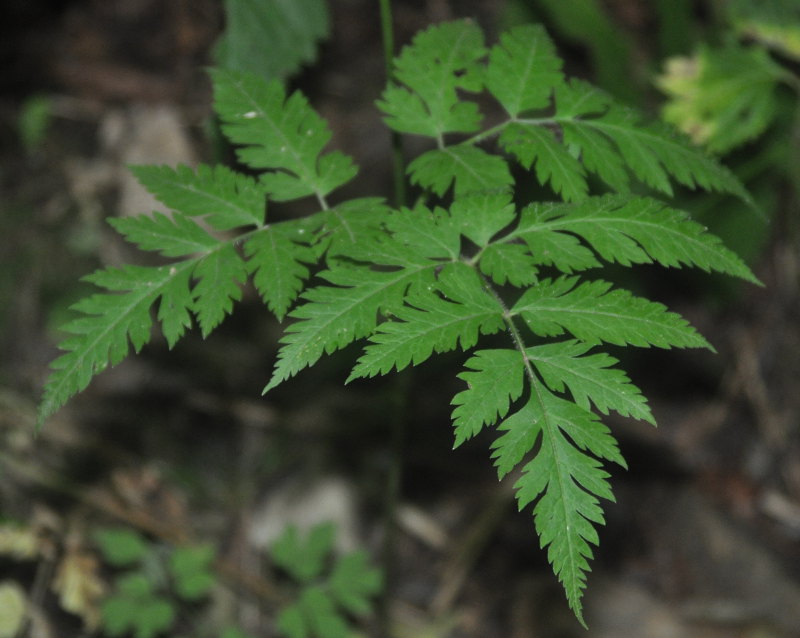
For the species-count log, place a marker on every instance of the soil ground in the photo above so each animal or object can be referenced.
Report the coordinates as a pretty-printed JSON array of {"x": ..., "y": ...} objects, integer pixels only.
[{"x": 703, "y": 542}]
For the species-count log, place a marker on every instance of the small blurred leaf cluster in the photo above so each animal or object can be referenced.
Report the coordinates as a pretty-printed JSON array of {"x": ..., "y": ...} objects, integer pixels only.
[
  {"x": 33, "y": 120},
  {"x": 729, "y": 72},
  {"x": 728, "y": 94},
  {"x": 329, "y": 591},
  {"x": 772, "y": 23},
  {"x": 155, "y": 583},
  {"x": 738, "y": 95},
  {"x": 145, "y": 596},
  {"x": 722, "y": 97}
]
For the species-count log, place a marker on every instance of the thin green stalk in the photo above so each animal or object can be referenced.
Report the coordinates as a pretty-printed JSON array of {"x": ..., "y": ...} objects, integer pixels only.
[
  {"x": 398, "y": 159},
  {"x": 400, "y": 390},
  {"x": 793, "y": 81}
]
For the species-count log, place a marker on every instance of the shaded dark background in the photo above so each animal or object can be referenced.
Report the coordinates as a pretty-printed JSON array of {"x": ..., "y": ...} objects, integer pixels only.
[{"x": 704, "y": 540}]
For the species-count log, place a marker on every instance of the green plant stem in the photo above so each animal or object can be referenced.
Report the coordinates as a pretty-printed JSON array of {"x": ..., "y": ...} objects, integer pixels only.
[
  {"x": 793, "y": 81},
  {"x": 536, "y": 390},
  {"x": 398, "y": 158},
  {"x": 394, "y": 478},
  {"x": 498, "y": 128},
  {"x": 516, "y": 337},
  {"x": 400, "y": 390}
]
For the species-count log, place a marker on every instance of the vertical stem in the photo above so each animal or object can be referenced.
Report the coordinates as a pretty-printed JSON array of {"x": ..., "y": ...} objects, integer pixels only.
[
  {"x": 400, "y": 390},
  {"x": 398, "y": 401},
  {"x": 794, "y": 135},
  {"x": 398, "y": 161}
]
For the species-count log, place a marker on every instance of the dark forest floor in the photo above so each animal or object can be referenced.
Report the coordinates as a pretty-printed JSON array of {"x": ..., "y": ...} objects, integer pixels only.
[{"x": 704, "y": 540}]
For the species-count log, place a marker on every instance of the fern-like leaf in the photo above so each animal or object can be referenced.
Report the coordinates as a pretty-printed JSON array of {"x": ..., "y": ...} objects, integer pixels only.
[
  {"x": 224, "y": 198},
  {"x": 591, "y": 379},
  {"x": 441, "y": 59},
  {"x": 333, "y": 316},
  {"x": 593, "y": 312},
  {"x": 414, "y": 282},
  {"x": 480, "y": 217},
  {"x": 450, "y": 314},
  {"x": 554, "y": 164},
  {"x": 626, "y": 231},
  {"x": 494, "y": 379},
  {"x": 110, "y": 324},
  {"x": 652, "y": 152},
  {"x": 278, "y": 260},
  {"x": 565, "y": 478},
  {"x": 220, "y": 275},
  {"x": 512, "y": 263},
  {"x": 173, "y": 236},
  {"x": 471, "y": 168},
  {"x": 279, "y": 133},
  {"x": 523, "y": 69}
]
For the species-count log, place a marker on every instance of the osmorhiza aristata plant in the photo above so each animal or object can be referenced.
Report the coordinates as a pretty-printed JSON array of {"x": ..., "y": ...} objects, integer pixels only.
[{"x": 439, "y": 276}]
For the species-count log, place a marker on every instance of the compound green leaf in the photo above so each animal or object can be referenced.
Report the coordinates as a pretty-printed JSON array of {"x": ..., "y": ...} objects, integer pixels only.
[
  {"x": 590, "y": 378},
  {"x": 280, "y": 133},
  {"x": 108, "y": 325},
  {"x": 321, "y": 614},
  {"x": 438, "y": 319},
  {"x": 219, "y": 275},
  {"x": 554, "y": 164},
  {"x": 225, "y": 198},
  {"x": 480, "y": 217},
  {"x": 353, "y": 582},
  {"x": 523, "y": 69},
  {"x": 512, "y": 263},
  {"x": 335, "y": 315},
  {"x": 293, "y": 30},
  {"x": 593, "y": 312},
  {"x": 121, "y": 547},
  {"x": 426, "y": 279},
  {"x": 472, "y": 169},
  {"x": 565, "y": 479},
  {"x": 303, "y": 558},
  {"x": 440, "y": 59},
  {"x": 173, "y": 236},
  {"x": 494, "y": 380},
  {"x": 633, "y": 231},
  {"x": 277, "y": 258},
  {"x": 652, "y": 152}
]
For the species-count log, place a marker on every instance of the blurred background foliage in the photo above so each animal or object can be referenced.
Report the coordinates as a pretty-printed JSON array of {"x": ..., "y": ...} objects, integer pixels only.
[{"x": 84, "y": 81}]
